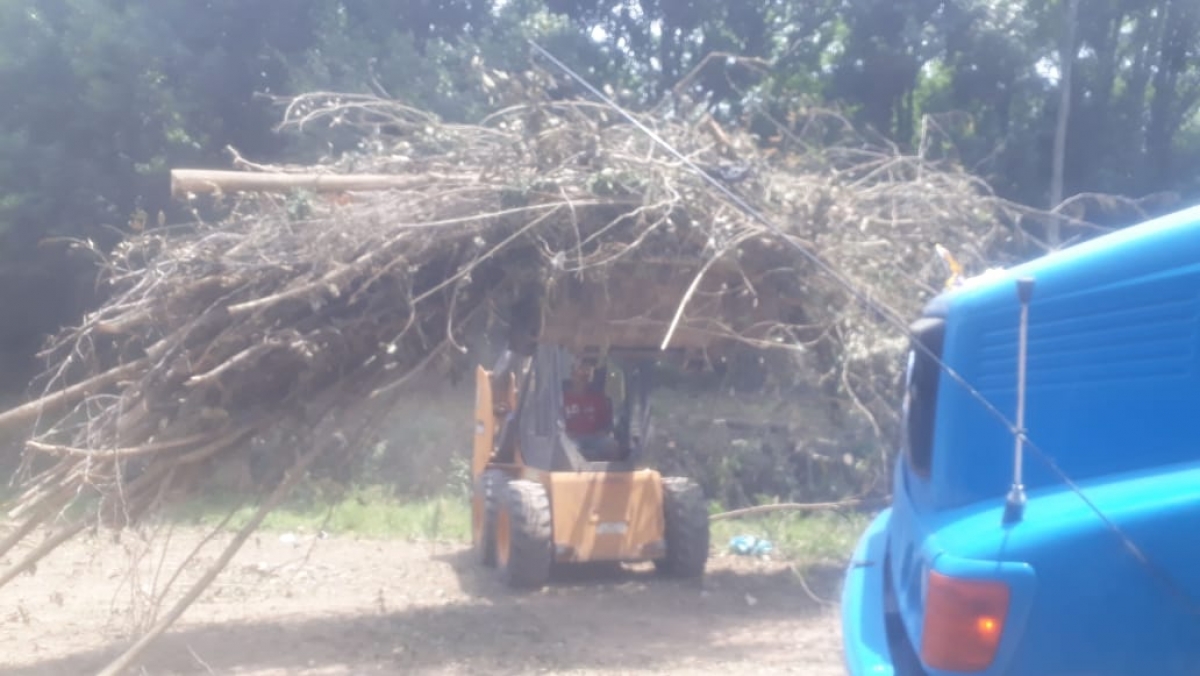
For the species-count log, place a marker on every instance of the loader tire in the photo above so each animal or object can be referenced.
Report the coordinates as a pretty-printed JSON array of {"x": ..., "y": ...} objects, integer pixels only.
[
  {"x": 491, "y": 485},
  {"x": 524, "y": 536},
  {"x": 687, "y": 531}
]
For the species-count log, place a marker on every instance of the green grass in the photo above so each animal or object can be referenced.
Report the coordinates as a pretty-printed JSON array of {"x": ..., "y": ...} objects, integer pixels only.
[
  {"x": 797, "y": 537},
  {"x": 367, "y": 512},
  {"x": 375, "y": 513}
]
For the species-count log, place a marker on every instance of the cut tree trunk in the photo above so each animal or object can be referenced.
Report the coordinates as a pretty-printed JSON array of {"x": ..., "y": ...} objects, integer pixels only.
[{"x": 198, "y": 181}]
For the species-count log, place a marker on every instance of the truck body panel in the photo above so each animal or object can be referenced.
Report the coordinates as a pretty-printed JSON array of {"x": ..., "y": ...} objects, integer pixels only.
[{"x": 1099, "y": 572}]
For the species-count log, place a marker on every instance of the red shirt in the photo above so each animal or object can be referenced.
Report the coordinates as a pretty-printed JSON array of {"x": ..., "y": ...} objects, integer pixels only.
[{"x": 586, "y": 413}]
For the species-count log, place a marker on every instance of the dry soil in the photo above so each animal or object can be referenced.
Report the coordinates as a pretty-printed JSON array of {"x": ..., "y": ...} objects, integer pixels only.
[{"x": 295, "y": 604}]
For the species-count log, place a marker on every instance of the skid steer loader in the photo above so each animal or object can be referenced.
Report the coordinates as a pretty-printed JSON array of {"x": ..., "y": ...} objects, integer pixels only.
[
  {"x": 558, "y": 479},
  {"x": 561, "y": 427}
]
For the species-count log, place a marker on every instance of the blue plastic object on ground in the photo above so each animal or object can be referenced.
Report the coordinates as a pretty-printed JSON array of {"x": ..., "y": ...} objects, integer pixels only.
[{"x": 749, "y": 545}]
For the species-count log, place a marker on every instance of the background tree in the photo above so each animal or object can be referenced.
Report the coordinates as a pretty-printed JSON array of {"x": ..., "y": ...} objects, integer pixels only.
[
  {"x": 104, "y": 96},
  {"x": 1066, "y": 60}
]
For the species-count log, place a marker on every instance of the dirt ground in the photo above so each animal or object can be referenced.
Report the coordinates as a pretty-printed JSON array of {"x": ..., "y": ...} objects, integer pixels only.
[{"x": 295, "y": 604}]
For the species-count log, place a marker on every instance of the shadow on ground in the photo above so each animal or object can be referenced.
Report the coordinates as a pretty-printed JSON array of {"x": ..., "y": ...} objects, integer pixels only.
[
  {"x": 724, "y": 576},
  {"x": 588, "y": 618}
]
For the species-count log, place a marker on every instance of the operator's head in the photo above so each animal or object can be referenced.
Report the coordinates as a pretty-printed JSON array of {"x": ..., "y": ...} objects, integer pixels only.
[{"x": 581, "y": 375}]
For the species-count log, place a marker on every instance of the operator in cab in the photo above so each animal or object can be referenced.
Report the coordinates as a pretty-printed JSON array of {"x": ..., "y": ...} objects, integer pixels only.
[{"x": 589, "y": 416}]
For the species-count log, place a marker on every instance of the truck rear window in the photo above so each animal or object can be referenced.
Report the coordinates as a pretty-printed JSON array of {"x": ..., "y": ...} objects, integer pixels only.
[{"x": 920, "y": 396}]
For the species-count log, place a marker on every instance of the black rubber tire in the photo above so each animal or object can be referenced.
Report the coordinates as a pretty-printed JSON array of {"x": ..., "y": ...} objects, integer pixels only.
[
  {"x": 687, "y": 529},
  {"x": 531, "y": 537},
  {"x": 491, "y": 485}
]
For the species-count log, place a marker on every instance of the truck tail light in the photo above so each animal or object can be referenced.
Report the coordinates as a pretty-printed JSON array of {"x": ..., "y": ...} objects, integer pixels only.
[{"x": 964, "y": 620}]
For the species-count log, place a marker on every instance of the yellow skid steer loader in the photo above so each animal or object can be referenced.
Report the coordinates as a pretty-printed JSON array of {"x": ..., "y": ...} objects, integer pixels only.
[{"x": 554, "y": 484}]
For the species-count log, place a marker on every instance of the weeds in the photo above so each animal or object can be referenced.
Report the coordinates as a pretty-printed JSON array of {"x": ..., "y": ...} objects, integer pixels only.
[
  {"x": 806, "y": 538},
  {"x": 377, "y": 512},
  {"x": 373, "y": 512}
]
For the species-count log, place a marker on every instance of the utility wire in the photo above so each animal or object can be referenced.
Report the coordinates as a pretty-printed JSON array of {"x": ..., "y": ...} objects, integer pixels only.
[{"x": 893, "y": 318}]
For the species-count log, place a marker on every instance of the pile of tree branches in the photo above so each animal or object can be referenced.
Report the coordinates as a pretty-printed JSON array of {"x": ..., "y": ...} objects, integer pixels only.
[{"x": 279, "y": 329}]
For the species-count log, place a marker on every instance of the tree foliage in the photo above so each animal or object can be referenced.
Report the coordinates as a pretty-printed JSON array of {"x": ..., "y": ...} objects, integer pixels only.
[{"x": 104, "y": 96}]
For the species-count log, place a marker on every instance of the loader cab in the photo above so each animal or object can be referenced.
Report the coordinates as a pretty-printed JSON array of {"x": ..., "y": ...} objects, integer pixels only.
[
  {"x": 588, "y": 413},
  {"x": 579, "y": 412}
]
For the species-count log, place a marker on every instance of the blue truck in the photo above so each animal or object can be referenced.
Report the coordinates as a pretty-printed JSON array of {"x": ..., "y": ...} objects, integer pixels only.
[{"x": 1045, "y": 515}]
